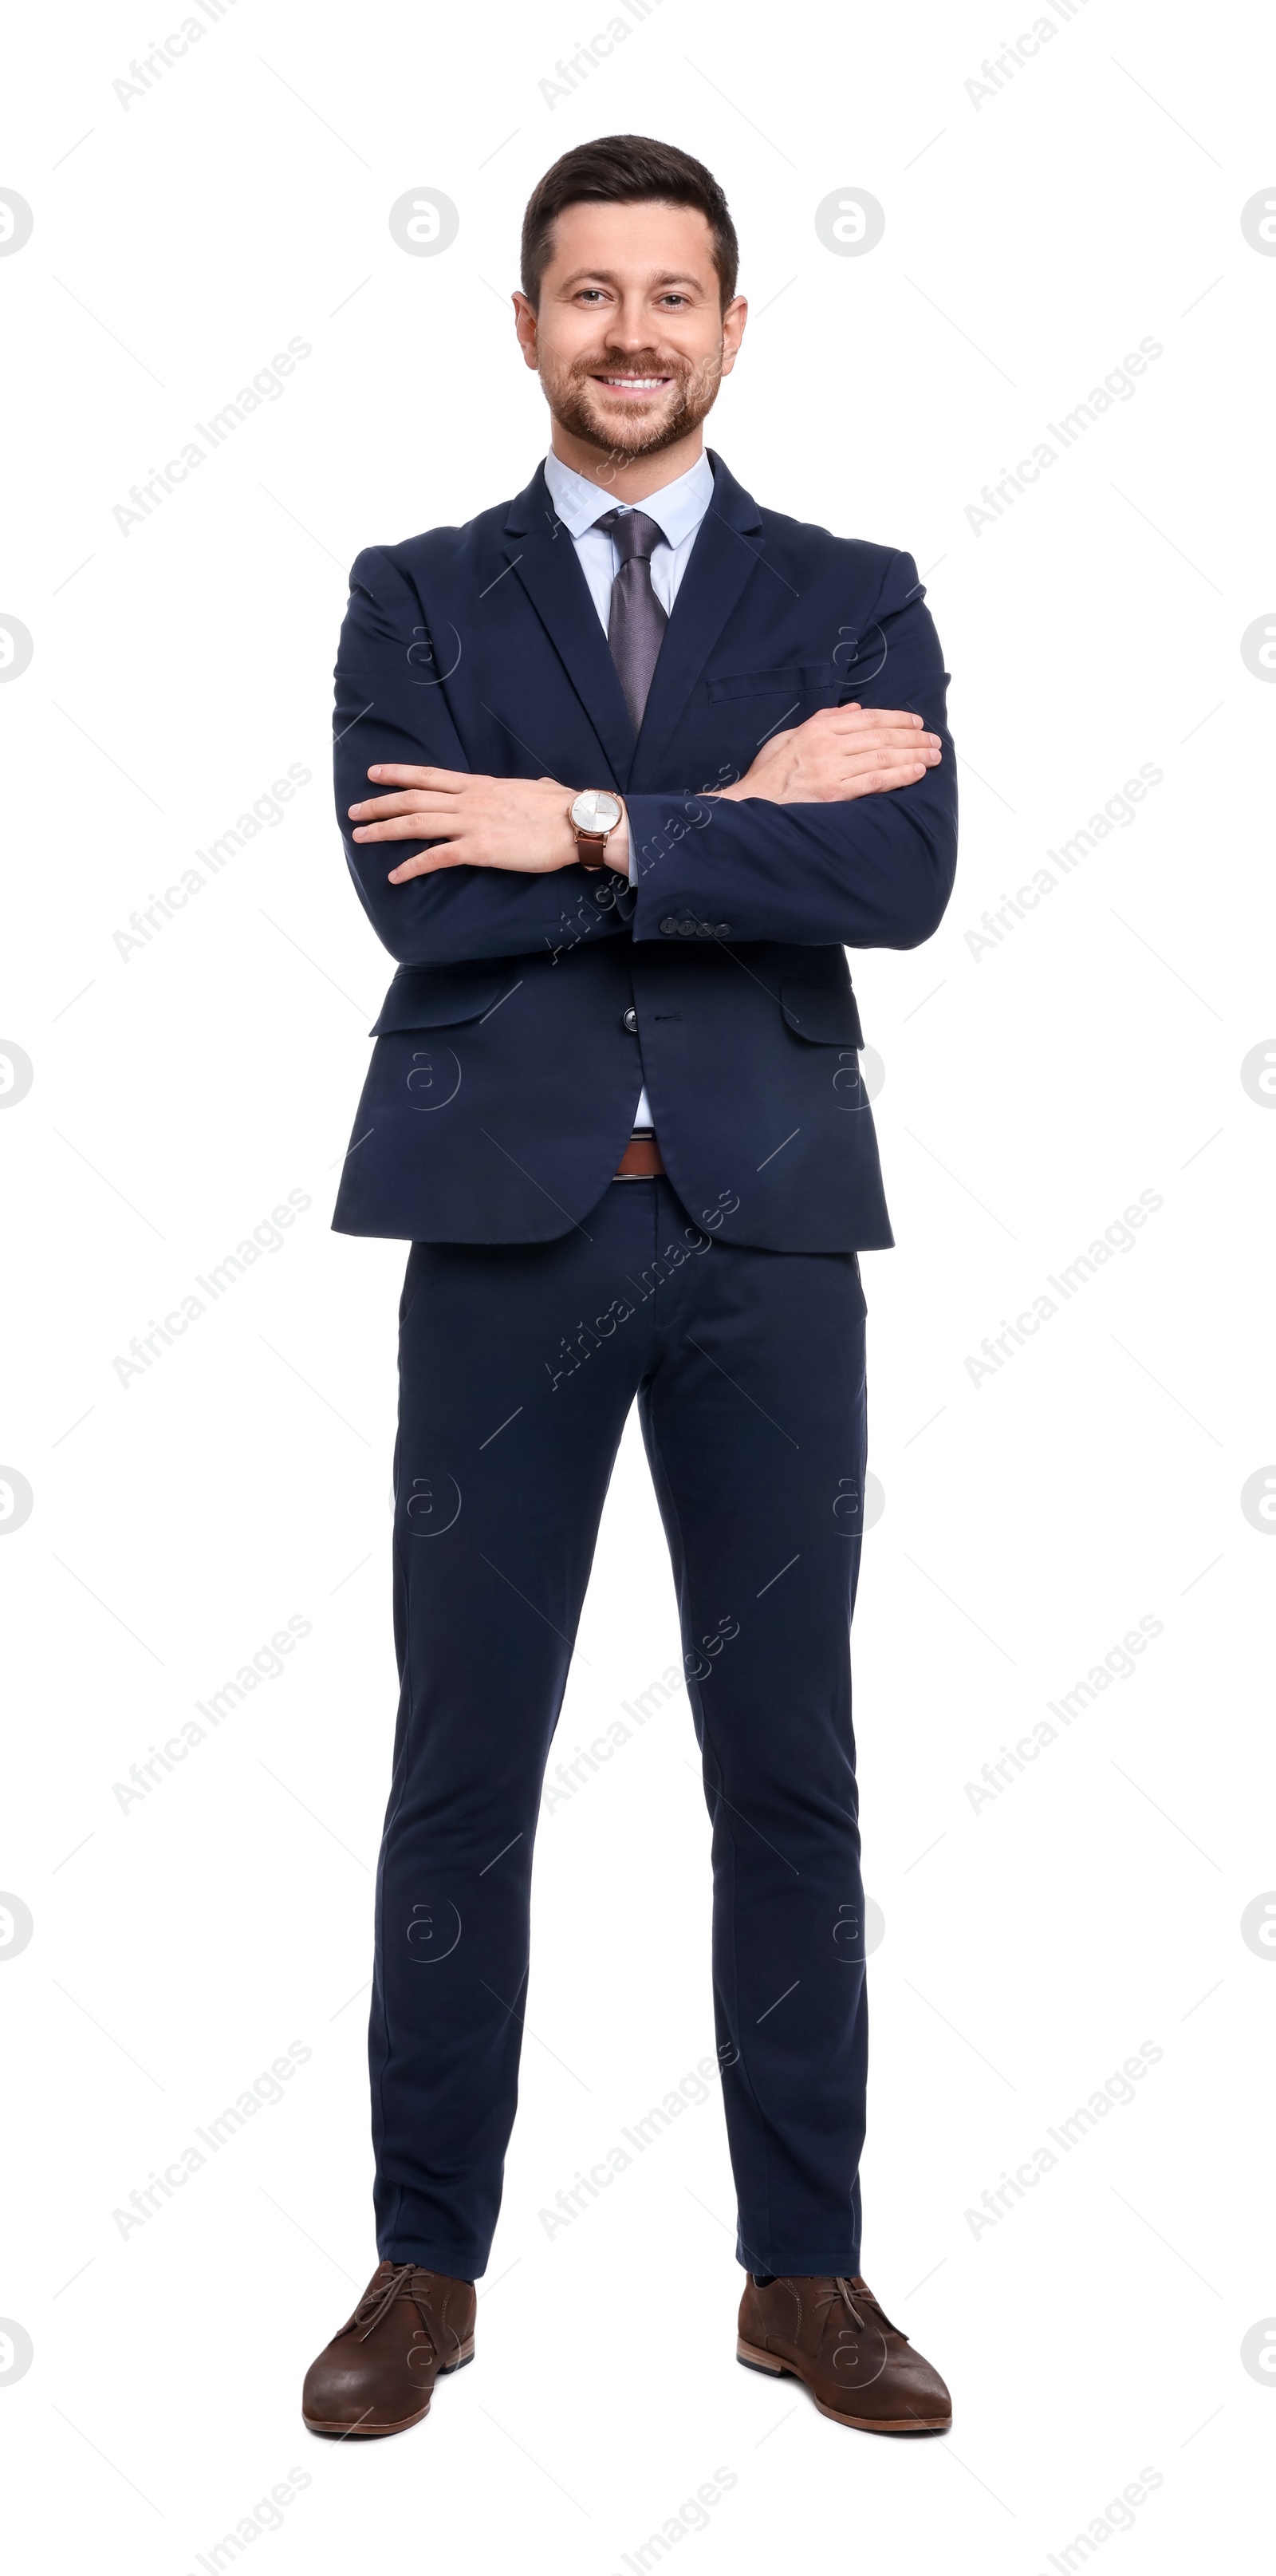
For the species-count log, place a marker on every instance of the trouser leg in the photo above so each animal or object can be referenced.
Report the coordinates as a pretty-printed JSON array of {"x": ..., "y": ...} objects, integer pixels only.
[
  {"x": 517, "y": 1367},
  {"x": 753, "y": 1412}
]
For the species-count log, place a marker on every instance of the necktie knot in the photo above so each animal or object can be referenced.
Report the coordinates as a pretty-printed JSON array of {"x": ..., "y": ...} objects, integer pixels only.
[{"x": 632, "y": 533}]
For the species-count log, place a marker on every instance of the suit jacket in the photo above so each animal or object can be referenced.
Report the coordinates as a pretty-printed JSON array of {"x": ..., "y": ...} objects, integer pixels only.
[{"x": 528, "y": 1010}]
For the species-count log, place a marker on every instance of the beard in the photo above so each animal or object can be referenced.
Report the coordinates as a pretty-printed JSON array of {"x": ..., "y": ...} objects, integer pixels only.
[{"x": 583, "y": 408}]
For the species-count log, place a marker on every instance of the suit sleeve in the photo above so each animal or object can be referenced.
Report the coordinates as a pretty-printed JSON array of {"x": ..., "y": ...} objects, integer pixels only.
[
  {"x": 873, "y": 872},
  {"x": 391, "y": 706}
]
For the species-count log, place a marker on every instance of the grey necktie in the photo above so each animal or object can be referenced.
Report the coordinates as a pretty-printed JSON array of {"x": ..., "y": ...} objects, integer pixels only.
[{"x": 636, "y": 621}]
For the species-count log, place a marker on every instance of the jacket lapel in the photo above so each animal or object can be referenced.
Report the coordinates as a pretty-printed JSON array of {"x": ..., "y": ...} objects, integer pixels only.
[
  {"x": 543, "y": 559},
  {"x": 726, "y": 556}
]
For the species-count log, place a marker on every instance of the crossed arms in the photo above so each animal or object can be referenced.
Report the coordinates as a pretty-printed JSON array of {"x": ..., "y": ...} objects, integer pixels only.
[
  {"x": 837, "y": 755},
  {"x": 843, "y": 829}
]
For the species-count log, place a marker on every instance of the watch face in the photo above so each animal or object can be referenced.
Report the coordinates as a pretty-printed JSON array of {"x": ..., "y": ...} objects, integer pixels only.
[{"x": 596, "y": 811}]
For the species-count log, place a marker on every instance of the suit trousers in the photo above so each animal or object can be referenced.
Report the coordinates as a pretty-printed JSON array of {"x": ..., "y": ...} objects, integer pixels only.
[{"x": 518, "y": 1364}]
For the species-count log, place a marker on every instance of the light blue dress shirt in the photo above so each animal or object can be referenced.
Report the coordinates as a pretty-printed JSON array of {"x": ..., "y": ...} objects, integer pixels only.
[{"x": 677, "y": 509}]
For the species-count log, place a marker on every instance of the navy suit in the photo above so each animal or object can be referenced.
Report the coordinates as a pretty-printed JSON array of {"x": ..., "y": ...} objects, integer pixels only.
[
  {"x": 504, "y": 1081},
  {"x": 542, "y": 1298}
]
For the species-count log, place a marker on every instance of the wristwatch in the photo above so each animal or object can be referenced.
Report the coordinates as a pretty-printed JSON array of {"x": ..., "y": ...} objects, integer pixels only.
[{"x": 592, "y": 815}]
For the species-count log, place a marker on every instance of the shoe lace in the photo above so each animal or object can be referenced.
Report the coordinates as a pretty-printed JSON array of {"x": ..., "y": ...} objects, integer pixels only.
[
  {"x": 380, "y": 2296},
  {"x": 842, "y": 2290}
]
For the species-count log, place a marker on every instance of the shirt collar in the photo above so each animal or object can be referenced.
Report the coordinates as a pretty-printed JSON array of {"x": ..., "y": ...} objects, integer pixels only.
[{"x": 677, "y": 508}]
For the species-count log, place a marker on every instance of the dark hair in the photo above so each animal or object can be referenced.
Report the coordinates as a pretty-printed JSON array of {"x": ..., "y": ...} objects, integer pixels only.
[{"x": 625, "y": 170}]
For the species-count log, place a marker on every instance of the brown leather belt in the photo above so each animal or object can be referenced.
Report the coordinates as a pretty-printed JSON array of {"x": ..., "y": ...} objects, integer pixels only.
[{"x": 641, "y": 1160}]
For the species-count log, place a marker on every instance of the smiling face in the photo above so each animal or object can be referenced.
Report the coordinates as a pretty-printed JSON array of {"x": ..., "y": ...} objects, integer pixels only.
[{"x": 630, "y": 339}]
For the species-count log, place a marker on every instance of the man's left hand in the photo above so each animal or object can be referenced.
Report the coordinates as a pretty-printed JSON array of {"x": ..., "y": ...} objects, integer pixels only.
[{"x": 475, "y": 822}]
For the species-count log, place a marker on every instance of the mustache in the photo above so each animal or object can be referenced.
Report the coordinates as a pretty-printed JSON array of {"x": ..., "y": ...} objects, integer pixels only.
[{"x": 648, "y": 362}]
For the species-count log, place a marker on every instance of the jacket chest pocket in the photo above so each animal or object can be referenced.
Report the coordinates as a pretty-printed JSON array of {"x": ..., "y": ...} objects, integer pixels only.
[{"x": 799, "y": 680}]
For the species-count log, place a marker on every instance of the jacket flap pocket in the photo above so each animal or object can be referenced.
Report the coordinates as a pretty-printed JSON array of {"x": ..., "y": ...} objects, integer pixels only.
[
  {"x": 826, "y": 1013},
  {"x": 795, "y": 683},
  {"x": 439, "y": 997}
]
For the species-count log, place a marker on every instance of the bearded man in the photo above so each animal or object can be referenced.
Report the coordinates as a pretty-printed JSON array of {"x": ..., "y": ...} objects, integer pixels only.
[{"x": 623, "y": 768}]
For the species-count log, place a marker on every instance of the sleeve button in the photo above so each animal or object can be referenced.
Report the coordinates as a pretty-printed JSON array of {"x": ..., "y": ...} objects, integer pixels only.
[{"x": 668, "y": 924}]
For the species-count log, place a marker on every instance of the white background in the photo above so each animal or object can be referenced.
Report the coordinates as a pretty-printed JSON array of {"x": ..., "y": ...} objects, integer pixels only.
[{"x": 1030, "y": 1944}]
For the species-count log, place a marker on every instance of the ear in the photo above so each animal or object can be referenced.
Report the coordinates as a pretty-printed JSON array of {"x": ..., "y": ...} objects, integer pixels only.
[
  {"x": 733, "y": 322},
  {"x": 525, "y": 325}
]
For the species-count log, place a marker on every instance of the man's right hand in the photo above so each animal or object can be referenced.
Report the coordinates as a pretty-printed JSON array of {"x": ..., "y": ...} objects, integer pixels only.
[{"x": 839, "y": 753}]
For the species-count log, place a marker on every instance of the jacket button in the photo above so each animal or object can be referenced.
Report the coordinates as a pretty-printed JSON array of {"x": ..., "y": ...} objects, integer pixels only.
[
  {"x": 668, "y": 924},
  {"x": 629, "y": 1020}
]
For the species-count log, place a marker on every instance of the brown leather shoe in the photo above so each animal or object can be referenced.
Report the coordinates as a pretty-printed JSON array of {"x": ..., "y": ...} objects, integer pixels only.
[
  {"x": 831, "y": 2332},
  {"x": 377, "y": 2375}
]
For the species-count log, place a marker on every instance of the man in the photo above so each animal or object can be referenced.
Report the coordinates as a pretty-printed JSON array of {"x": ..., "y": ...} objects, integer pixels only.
[{"x": 652, "y": 758}]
